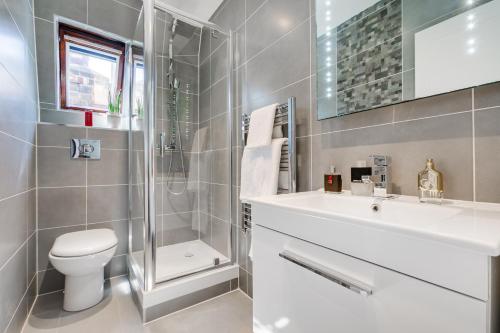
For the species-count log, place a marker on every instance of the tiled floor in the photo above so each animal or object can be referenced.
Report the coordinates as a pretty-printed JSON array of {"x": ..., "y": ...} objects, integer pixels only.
[{"x": 229, "y": 313}]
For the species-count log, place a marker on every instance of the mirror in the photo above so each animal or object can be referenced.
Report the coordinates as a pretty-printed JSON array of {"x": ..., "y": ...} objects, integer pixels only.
[{"x": 373, "y": 53}]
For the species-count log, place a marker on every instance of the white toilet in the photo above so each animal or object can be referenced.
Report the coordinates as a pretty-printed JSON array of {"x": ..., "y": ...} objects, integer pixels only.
[{"x": 81, "y": 256}]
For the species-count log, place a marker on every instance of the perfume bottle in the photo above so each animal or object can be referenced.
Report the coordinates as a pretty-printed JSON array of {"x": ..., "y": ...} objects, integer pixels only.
[
  {"x": 333, "y": 181},
  {"x": 430, "y": 184}
]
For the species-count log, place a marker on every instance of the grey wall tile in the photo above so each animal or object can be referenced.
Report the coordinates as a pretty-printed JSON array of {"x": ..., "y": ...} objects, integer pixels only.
[
  {"x": 219, "y": 63},
  {"x": 72, "y": 9},
  {"x": 487, "y": 155},
  {"x": 61, "y": 207},
  {"x": 218, "y": 99},
  {"x": 12, "y": 286},
  {"x": 205, "y": 44},
  {"x": 107, "y": 203},
  {"x": 205, "y": 75},
  {"x": 116, "y": 267},
  {"x": 173, "y": 202},
  {"x": 110, "y": 139},
  {"x": 487, "y": 96},
  {"x": 56, "y": 168},
  {"x": 121, "y": 230},
  {"x": 178, "y": 228},
  {"x": 14, "y": 225},
  {"x": 220, "y": 200},
  {"x": 266, "y": 25},
  {"x": 230, "y": 15},
  {"x": 111, "y": 169},
  {"x": 46, "y": 238},
  {"x": 113, "y": 17},
  {"x": 220, "y": 167},
  {"x": 23, "y": 16},
  {"x": 58, "y": 135},
  {"x": 49, "y": 281},
  {"x": 218, "y": 132},
  {"x": 46, "y": 63},
  {"x": 252, "y": 6},
  {"x": 270, "y": 71},
  {"x": 205, "y": 105},
  {"x": 221, "y": 232},
  {"x": 14, "y": 170}
]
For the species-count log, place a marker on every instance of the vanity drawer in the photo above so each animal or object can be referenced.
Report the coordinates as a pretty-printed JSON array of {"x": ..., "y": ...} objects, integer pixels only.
[{"x": 301, "y": 287}]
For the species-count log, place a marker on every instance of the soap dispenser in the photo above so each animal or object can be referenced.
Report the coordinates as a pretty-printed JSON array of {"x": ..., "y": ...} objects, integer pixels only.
[
  {"x": 430, "y": 184},
  {"x": 333, "y": 181}
]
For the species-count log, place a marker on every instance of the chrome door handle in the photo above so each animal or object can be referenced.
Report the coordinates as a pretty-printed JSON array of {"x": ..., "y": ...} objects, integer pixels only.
[{"x": 328, "y": 273}]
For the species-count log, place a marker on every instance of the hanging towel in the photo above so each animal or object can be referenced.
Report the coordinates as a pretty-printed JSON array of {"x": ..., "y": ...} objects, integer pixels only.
[
  {"x": 260, "y": 130},
  {"x": 260, "y": 168}
]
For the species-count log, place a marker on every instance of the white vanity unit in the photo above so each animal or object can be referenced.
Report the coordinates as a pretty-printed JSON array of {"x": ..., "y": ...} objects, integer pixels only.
[{"x": 340, "y": 264}]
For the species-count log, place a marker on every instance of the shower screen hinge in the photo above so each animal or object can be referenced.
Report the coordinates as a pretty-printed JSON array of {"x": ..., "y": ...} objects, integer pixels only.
[
  {"x": 216, "y": 261},
  {"x": 215, "y": 34}
]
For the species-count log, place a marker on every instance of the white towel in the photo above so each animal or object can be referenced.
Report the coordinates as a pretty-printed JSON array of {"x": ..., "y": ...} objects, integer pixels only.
[
  {"x": 260, "y": 168},
  {"x": 260, "y": 130}
]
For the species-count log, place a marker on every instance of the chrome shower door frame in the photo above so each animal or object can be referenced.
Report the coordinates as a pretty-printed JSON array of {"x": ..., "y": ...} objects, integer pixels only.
[{"x": 149, "y": 136}]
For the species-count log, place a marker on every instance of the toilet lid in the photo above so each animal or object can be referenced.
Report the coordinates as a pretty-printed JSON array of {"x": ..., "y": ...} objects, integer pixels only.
[{"x": 82, "y": 243}]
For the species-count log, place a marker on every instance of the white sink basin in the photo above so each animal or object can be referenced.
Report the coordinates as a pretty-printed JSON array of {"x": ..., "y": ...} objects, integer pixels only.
[{"x": 469, "y": 224}]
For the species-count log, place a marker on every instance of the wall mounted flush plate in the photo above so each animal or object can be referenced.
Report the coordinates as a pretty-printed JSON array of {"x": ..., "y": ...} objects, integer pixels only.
[{"x": 84, "y": 148}]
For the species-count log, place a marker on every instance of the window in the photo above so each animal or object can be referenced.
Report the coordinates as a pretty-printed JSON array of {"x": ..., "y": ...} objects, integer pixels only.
[
  {"x": 91, "y": 71},
  {"x": 138, "y": 87}
]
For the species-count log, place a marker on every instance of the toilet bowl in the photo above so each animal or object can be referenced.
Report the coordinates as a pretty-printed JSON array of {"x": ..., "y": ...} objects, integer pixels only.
[{"x": 81, "y": 257}]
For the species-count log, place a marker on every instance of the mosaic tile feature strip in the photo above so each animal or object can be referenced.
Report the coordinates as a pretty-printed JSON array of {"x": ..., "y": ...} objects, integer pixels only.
[
  {"x": 374, "y": 94},
  {"x": 369, "y": 31},
  {"x": 376, "y": 63}
]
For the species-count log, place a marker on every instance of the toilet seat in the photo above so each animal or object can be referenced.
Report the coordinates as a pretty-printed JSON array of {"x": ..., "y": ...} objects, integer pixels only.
[{"x": 83, "y": 243}]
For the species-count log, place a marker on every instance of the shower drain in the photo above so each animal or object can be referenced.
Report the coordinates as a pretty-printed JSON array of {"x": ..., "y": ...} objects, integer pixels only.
[{"x": 188, "y": 255}]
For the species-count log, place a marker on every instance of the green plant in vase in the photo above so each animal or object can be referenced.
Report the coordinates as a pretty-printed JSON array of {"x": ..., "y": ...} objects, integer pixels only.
[
  {"x": 114, "y": 102},
  {"x": 139, "y": 107}
]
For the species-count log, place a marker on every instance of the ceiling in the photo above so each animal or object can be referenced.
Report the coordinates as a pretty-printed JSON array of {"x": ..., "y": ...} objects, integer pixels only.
[{"x": 201, "y": 9}]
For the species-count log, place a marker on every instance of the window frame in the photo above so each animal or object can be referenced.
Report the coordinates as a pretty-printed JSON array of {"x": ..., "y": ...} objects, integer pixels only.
[{"x": 92, "y": 41}]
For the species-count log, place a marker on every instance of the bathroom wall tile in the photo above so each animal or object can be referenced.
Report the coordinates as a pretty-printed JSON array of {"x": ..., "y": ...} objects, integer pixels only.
[
  {"x": 72, "y": 9},
  {"x": 58, "y": 135},
  {"x": 205, "y": 228},
  {"x": 14, "y": 226},
  {"x": 434, "y": 106},
  {"x": 239, "y": 47},
  {"x": 110, "y": 139},
  {"x": 179, "y": 197},
  {"x": 31, "y": 211},
  {"x": 188, "y": 103},
  {"x": 205, "y": 76},
  {"x": 218, "y": 98},
  {"x": 111, "y": 169},
  {"x": 22, "y": 14},
  {"x": 243, "y": 280},
  {"x": 270, "y": 70},
  {"x": 46, "y": 59},
  {"x": 60, "y": 207},
  {"x": 487, "y": 155},
  {"x": 107, "y": 203},
  {"x": 242, "y": 248},
  {"x": 230, "y": 15},
  {"x": 15, "y": 169},
  {"x": 304, "y": 164},
  {"x": 17, "y": 321},
  {"x": 137, "y": 4},
  {"x": 218, "y": 132},
  {"x": 205, "y": 105},
  {"x": 21, "y": 123},
  {"x": 266, "y": 26},
  {"x": 112, "y": 17},
  {"x": 31, "y": 249},
  {"x": 252, "y": 6},
  {"x": 220, "y": 168},
  {"x": 49, "y": 281},
  {"x": 221, "y": 232},
  {"x": 187, "y": 74},
  {"x": 137, "y": 234},
  {"x": 178, "y": 228},
  {"x": 220, "y": 197},
  {"x": 301, "y": 92},
  {"x": 56, "y": 168},
  {"x": 205, "y": 44},
  {"x": 12, "y": 286},
  {"x": 240, "y": 88},
  {"x": 46, "y": 238},
  {"x": 218, "y": 63},
  {"x": 116, "y": 267},
  {"x": 121, "y": 230},
  {"x": 487, "y": 96},
  {"x": 446, "y": 139},
  {"x": 250, "y": 286},
  {"x": 378, "y": 116}
]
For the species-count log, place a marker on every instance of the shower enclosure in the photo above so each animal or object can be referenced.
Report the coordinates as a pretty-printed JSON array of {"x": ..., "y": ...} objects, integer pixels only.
[{"x": 180, "y": 148}]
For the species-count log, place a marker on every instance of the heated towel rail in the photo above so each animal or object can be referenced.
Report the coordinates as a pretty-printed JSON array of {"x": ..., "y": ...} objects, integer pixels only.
[{"x": 285, "y": 117}]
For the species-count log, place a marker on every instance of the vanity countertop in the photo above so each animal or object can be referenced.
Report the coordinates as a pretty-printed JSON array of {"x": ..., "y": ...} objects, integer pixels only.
[{"x": 469, "y": 225}]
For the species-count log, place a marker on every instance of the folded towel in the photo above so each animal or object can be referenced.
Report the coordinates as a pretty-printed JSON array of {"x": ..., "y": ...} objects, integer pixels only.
[
  {"x": 260, "y": 170},
  {"x": 260, "y": 130}
]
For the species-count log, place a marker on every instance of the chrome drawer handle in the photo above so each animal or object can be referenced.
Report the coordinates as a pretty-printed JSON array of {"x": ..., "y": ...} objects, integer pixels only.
[{"x": 328, "y": 273}]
